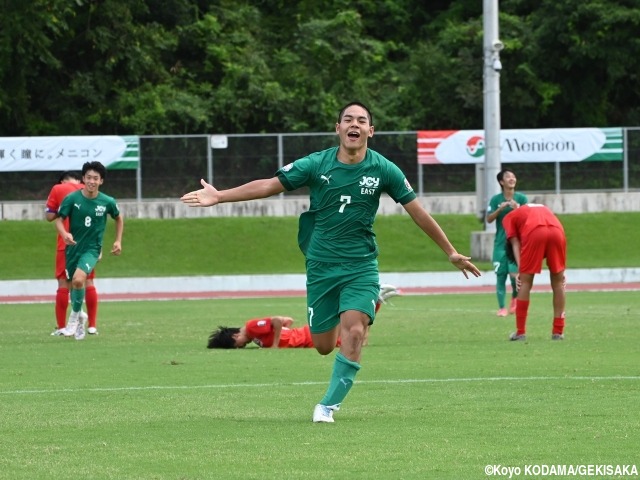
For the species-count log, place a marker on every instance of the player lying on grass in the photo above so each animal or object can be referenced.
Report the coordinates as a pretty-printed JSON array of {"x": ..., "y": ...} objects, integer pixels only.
[{"x": 276, "y": 332}]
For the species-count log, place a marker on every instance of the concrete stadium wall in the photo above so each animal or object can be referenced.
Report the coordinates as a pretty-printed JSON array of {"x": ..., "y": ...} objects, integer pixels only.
[{"x": 293, "y": 206}]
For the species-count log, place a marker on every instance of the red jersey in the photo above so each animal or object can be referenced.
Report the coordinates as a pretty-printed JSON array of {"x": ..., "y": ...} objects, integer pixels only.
[
  {"x": 541, "y": 236},
  {"x": 526, "y": 218},
  {"x": 56, "y": 195},
  {"x": 261, "y": 330}
]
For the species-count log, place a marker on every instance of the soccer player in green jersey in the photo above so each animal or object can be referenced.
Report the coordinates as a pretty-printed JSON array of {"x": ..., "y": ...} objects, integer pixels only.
[
  {"x": 336, "y": 236},
  {"x": 87, "y": 210},
  {"x": 499, "y": 206}
]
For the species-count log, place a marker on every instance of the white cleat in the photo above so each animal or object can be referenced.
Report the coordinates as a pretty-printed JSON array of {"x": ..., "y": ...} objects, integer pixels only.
[
  {"x": 92, "y": 331},
  {"x": 58, "y": 332},
  {"x": 324, "y": 413},
  {"x": 387, "y": 291},
  {"x": 72, "y": 325},
  {"x": 81, "y": 329}
]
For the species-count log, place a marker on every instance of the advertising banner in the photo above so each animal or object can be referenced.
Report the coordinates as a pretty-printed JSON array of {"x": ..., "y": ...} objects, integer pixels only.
[
  {"x": 28, "y": 154},
  {"x": 522, "y": 146}
]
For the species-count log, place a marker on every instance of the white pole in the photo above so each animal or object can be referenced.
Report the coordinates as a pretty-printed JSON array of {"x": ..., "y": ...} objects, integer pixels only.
[{"x": 492, "y": 67}]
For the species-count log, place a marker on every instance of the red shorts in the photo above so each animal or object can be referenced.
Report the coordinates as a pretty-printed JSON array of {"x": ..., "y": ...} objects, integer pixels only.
[
  {"x": 543, "y": 242},
  {"x": 61, "y": 263},
  {"x": 299, "y": 338}
]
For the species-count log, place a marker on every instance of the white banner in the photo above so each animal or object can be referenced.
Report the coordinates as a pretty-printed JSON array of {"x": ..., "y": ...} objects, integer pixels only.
[
  {"x": 522, "y": 146},
  {"x": 27, "y": 154}
]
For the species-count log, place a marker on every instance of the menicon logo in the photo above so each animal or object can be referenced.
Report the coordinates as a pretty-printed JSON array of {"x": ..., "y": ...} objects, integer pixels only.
[{"x": 475, "y": 146}]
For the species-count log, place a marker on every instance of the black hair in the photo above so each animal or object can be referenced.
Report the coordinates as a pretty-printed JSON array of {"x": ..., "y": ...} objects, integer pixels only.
[
  {"x": 501, "y": 173},
  {"x": 351, "y": 104},
  {"x": 223, "y": 338},
  {"x": 68, "y": 175},
  {"x": 96, "y": 167}
]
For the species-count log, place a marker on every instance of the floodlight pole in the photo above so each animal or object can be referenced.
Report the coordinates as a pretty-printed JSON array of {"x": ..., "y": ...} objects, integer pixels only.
[{"x": 491, "y": 88}]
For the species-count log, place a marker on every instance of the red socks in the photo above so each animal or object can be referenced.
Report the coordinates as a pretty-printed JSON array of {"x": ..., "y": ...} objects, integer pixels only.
[
  {"x": 558, "y": 325},
  {"x": 91, "y": 300},
  {"x": 62, "y": 303},
  {"x": 522, "y": 308}
]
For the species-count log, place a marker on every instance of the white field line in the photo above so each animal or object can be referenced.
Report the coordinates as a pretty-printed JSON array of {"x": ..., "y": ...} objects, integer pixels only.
[{"x": 298, "y": 384}]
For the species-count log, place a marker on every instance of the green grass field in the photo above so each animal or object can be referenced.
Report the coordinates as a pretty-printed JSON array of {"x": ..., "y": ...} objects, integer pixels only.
[
  {"x": 223, "y": 246},
  {"x": 441, "y": 394}
]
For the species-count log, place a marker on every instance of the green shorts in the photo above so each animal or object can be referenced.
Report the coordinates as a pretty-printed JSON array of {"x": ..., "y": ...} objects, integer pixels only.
[
  {"x": 502, "y": 265},
  {"x": 333, "y": 288},
  {"x": 85, "y": 261}
]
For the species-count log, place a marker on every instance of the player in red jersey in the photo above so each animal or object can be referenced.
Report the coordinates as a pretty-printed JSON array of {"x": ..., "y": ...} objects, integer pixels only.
[
  {"x": 68, "y": 182},
  {"x": 533, "y": 234},
  {"x": 270, "y": 332}
]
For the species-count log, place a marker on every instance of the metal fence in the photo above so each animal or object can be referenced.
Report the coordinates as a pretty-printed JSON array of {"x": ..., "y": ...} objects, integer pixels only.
[{"x": 173, "y": 165}]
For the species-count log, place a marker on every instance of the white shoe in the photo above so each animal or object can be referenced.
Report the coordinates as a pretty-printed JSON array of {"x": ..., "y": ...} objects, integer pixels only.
[
  {"x": 92, "y": 331},
  {"x": 58, "y": 332},
  {"x": 72, "y": 325},
  {"x": 324, "y": 413},
  {"x": 386, "y": 292},
  {"x": 82, "y": 327}
]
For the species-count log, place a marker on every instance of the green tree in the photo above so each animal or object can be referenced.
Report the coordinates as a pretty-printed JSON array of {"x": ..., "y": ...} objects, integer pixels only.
[
  {"x": 581, "y": 60},
  {"x": 194, "y": 66},
  {"x": 28, "y": 33}
]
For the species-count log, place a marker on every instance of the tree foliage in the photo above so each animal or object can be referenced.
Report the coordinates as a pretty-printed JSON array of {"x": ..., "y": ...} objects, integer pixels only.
[{"x": 195, "y": 66}]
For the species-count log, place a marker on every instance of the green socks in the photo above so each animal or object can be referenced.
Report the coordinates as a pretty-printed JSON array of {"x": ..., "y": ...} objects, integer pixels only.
[
  {"x": 77, "y": 299},
  {"x": 344, "y": 372},
  {"x": 501, "y": 291}
]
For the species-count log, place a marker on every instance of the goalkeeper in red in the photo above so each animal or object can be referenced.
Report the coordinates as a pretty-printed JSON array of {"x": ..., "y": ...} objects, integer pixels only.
[
  {"x": 87, "y": 210},
  {"x": 336, "y": 236}
]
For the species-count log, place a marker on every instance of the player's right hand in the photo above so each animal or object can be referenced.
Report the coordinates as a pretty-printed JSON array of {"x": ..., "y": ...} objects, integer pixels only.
[
  {"x": 68, "y": 239},
  {"x": 205, "y": 197}
]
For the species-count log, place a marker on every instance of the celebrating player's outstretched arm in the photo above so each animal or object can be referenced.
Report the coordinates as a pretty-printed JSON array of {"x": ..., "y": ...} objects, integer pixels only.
[{"x": 209, "y": 195}]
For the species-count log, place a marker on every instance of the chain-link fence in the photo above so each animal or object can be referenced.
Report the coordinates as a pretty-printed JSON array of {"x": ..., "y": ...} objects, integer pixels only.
[{"x": 173, "y": 165}]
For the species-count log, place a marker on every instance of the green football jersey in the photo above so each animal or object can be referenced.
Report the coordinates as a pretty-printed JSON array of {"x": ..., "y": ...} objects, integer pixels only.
[
  {"x": 494, "y": 204},
  {"x": 344, "y": 200},
  {"x": 87, "y": 218}
]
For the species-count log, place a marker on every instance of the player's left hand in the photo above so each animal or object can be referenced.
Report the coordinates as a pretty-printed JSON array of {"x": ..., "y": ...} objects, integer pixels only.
[
  {"x": 117, "y": 248},
  {"x": 463, "y": 263}
]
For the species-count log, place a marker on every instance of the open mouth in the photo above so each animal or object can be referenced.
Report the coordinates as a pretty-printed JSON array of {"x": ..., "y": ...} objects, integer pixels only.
[{"x": 353, "y": 134}]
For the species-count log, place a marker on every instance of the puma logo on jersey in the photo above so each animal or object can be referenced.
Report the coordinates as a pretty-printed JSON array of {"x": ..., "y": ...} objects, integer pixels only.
[
  {"x": 77, "y": 205},
  {"x": 324, "y": 178}
]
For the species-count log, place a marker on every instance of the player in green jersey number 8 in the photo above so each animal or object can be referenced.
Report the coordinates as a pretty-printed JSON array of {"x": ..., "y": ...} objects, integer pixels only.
[
  {"x": 87, "y": 210},
  {"x": 337, "y": 239}
]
